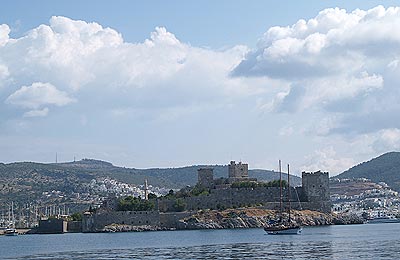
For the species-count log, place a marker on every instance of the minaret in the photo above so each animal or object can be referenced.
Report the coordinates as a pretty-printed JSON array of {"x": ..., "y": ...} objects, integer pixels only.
[{"x": 146, "y": 192}]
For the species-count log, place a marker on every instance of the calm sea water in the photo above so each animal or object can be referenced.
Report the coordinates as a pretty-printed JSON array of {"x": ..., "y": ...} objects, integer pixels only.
[{"x": 379, "y": 241}]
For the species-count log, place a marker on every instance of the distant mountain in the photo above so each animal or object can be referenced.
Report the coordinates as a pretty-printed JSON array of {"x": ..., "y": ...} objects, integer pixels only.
[{"x": 385, "y": 168}]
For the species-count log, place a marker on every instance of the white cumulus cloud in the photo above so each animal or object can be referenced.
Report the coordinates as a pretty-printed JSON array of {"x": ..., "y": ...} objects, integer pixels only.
[
  {"x": 387, "y": 140},
  {"x": 327, "y": 160},
  {"x": 80, "y": 57},
  {"x": 4, "y": 34},
  {"x": 4, "y": 73},
  {"x": 343, "y": 64},
  {"x": 37, "y": 113},
  {"x": 37, "y": 95}
]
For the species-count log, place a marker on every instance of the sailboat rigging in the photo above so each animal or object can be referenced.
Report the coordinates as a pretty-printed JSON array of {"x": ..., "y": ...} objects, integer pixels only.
[{"x": 283, "y": 227}]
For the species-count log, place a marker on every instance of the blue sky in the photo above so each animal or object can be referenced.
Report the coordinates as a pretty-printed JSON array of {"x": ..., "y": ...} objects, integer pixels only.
[
  {"x": 166, "y": 84},
  {"x": 202, "y": 23}
]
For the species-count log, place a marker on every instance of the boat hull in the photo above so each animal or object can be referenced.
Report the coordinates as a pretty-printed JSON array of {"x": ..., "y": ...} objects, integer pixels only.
[
  {"x": 11, "y": 232},
  {"x": 383, "y": 220},
  {"x": 284, "y": 231}
]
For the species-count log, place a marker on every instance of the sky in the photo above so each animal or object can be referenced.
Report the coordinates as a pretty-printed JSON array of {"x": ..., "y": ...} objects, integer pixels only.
[{"x": 150, "y": 84}]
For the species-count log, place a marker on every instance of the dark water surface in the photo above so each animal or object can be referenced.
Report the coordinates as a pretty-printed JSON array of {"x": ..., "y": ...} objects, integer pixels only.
[{"x": 379, "y": 241}]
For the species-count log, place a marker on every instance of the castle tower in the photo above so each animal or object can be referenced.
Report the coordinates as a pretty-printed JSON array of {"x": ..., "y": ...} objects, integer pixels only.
[
  {"x": 238, "y": 171},
  {"x": 205, "y": 177},
  {"x": 315, "y": 186}
]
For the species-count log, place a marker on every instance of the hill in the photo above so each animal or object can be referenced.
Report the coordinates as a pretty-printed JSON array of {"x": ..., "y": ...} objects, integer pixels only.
[
  {"x": 164, "y": 177},
  {"x": 27, "y": 181},
  {"x": 384, "y": 168}
]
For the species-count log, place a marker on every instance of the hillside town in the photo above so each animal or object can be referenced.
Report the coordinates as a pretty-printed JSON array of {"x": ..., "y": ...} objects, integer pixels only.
[{"x": 362, "y": 197}]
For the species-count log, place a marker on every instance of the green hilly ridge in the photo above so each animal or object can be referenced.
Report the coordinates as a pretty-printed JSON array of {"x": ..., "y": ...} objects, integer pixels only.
[
  {"x": 384, "y": 168},
  {"x": 162, "y": 177},
  {"x": 27, "y": 181}
]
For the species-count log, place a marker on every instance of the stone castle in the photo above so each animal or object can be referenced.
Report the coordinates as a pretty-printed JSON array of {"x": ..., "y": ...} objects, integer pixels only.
[{"x": 312, "y": 195}]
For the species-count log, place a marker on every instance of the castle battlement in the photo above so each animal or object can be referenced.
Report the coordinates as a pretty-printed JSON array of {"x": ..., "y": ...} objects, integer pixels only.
[{"x": 314, "y": 173}]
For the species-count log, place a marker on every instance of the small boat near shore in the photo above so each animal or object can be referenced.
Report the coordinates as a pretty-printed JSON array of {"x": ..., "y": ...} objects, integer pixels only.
[
  {"x": 381, "y": 216},
  {"x": 10, "y": 232},
  {"x": 385, "y": 219}
]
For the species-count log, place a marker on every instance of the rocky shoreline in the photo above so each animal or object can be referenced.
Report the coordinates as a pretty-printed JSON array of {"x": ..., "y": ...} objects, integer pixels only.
[
  {"x": 130, "y": 228},
  {"x": 243, "y": 218},
  {"x": 256, "y": 218}
]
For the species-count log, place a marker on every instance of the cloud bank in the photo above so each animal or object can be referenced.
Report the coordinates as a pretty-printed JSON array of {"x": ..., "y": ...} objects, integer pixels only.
[
  {"x": 341, "y": 65},
  {"x": 333, "y": 80},
  {"x": 334, "y": 58}
]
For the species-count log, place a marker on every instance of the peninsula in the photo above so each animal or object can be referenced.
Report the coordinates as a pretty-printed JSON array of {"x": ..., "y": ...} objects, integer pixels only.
[{"x": 233, "y": 202}]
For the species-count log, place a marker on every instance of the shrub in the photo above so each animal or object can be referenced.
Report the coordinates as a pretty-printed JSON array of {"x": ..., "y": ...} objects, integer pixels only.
[
  {"x": 134, "y": 204},
  {"x": 179, "y": 205}
]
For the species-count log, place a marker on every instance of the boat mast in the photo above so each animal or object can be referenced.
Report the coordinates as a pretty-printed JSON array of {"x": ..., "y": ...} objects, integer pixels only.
[
  {"x": 12, "y": 214},
  {"x": 288, "y": 182},
  {"x": 9, "y": 215},
  {"x": 280, "y": 188}
]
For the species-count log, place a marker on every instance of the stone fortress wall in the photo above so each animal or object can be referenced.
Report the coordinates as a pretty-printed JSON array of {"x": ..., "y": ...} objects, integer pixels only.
[{"x": 96, "y": 222}]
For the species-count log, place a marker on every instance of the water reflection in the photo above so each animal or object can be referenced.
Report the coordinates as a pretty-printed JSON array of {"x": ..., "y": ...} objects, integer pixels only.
[
  {"x": 288, "y": 250},
  {"x": 346, "y": 242}
]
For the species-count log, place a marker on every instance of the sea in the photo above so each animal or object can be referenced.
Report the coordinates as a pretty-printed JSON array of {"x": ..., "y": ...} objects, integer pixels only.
[{"x": 367, "y": 241}]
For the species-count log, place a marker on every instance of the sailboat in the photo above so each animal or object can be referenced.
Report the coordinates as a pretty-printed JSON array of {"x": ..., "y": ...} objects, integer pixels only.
[
  {"x": 283, "y": 227},
  {"x": 11, "y": 231}
]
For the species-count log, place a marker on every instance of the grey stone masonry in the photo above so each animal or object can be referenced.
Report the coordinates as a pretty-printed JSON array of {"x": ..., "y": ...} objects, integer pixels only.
[
  {"x": 205, "y": 177},
  {"x": 238, "y": 170},
  {"x": 315, "y": 189},
  {"x": 315, "y": 186},
  {"x": 96, "y": 222}
]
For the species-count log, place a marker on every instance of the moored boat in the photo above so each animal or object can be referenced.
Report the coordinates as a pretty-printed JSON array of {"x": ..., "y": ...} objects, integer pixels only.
[
  {"x": 283, "y": 227},
  {"x": 385, "y": 219},
  {"x": 10, "y": 232},
  {"x": 283, "y": 230}
]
